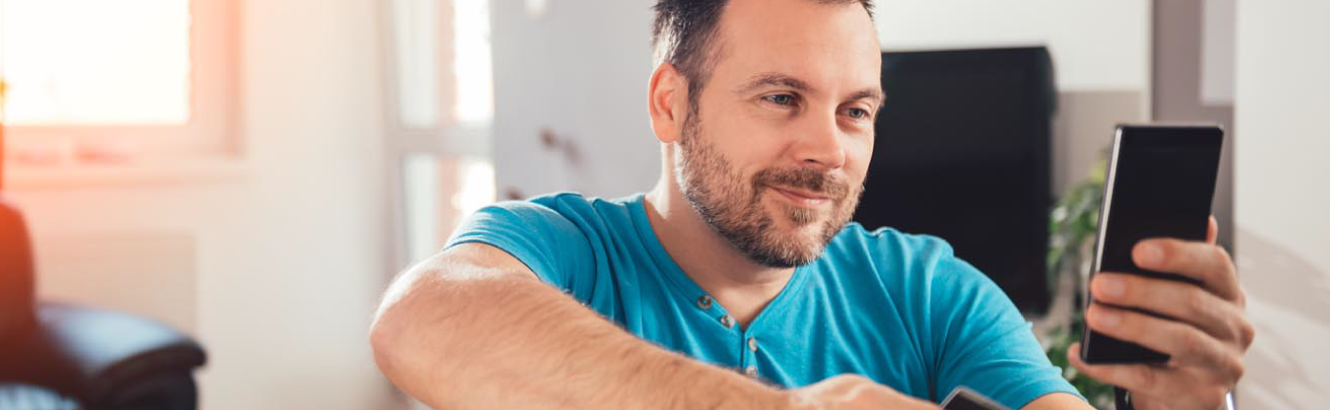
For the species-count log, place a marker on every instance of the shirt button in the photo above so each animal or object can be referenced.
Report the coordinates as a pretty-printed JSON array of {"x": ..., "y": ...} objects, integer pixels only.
[
  {"x": 751, "y": 371},
  {"x": 726, "y": 321},
  {"x": 752, "y": 344},
  {"x": 704, "y": 302}
]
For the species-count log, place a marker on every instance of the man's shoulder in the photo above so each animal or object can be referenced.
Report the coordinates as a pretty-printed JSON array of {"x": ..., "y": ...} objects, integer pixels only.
[
  {"x": 561, "y": 220},
  {"x": 560, "y": 217},
  {"x": 899, "y": 259},
  {"x": 886, "y": 244},
  {"x": 569, "y": 206}
]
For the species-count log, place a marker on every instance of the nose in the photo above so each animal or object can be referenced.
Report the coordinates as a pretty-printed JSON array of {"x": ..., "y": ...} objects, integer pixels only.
[{"x": 819, "y": 143}]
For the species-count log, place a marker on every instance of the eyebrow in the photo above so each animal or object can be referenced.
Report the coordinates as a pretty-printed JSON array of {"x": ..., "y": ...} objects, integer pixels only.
[
  {"x": 773, "y": 79},
  {"x": 871, "y": 94},
  {"x": 784, "y": 80}
]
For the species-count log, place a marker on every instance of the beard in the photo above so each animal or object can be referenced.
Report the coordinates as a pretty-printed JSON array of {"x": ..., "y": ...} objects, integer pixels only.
[{"x": 733, "y": 207}]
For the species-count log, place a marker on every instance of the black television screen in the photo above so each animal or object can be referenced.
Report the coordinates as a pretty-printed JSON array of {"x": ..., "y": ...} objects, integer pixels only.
[{"x": 962, "y": 153}]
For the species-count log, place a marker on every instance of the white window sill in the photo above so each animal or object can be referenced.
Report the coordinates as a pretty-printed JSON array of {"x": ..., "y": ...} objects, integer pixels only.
[{"x": 206, "y": 169}]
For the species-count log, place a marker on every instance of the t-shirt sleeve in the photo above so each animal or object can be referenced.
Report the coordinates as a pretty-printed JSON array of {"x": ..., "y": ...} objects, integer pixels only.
[
  {"x": 551, "y": 245},
  {"x": 983, "y": 342}
]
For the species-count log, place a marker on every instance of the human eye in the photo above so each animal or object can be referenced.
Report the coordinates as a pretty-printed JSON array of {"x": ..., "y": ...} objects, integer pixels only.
[
  {"x": 858, "y": 113},
  {"x": 784, "y": 99}
]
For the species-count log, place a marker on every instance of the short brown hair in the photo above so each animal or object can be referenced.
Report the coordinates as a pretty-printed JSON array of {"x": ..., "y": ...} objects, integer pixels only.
[{"x": 683, "y": 32}]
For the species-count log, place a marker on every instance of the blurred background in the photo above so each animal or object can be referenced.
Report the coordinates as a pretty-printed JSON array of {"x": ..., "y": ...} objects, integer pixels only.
[{"x": 253, "y": 173}]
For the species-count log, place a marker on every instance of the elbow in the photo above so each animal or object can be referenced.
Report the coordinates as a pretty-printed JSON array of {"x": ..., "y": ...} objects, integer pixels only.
[
  {"x": 385, "y": 342},
  {"x": 386, "y": 334},
  {"x": 393, "y": 351}
]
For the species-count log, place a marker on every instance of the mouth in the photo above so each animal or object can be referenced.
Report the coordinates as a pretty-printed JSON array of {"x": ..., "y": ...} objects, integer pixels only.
[{"x": 802, "y": 198}]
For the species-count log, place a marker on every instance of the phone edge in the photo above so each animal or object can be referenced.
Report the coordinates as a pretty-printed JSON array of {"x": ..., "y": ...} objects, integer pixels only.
[{"x": 1105, "y": 208}]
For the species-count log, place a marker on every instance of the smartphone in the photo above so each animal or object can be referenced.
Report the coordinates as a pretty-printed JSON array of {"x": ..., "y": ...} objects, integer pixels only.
[
  {"x": 1160, "y": 183},
  {"x": 963, "y": 398}
]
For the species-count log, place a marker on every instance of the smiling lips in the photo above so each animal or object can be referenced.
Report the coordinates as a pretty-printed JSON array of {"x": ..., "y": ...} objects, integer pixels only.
[{"x": 802, "y": 198}]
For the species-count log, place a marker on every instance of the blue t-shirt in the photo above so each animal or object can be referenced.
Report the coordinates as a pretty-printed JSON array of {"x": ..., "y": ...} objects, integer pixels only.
[{"x": 899, "y": 309}]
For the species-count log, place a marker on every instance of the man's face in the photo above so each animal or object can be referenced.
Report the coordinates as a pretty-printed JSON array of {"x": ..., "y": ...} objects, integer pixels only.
[{"x": 775, "y": 152}]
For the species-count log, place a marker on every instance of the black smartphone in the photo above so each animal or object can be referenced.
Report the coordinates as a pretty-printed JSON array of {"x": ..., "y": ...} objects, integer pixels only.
[
  {"x": 963, "y": 398},
  {"x": 1160, "y": 183}
]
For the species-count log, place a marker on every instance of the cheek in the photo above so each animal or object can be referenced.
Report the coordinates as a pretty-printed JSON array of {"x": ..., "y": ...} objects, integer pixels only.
[
  {"x": 753, "y": 130},
  {"x": 749, "y": 149},
  {"x": 858, "y": 154}
]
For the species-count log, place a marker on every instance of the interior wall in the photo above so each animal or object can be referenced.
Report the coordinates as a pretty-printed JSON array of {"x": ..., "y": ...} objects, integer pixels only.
[
  {"x": 1095, "y": 45},
  {"x": 570, "y": 98},
  {"x": 1280, "y": 205},
  {"x": 287, "y": 260},
  {"x": 1191, "y": 42}
]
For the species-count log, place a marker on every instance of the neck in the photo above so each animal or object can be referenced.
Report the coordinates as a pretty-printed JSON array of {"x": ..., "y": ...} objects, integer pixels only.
[{"x": 738, "y": 284}]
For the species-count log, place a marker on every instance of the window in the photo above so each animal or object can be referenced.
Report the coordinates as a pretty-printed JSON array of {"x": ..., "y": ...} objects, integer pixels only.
[
  {"x": 125, "y": 82},
  {"x": 88, "y": 69},
  {"x": 441, "y": 83},
  {"x": 472, "y": 62}
]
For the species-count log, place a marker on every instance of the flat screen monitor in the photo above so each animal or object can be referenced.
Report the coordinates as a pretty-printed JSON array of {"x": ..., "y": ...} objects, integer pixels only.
[{"x": 962, "y": 153}]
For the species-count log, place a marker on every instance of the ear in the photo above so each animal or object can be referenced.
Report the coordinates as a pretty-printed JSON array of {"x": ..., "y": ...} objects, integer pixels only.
[{"x": 665, "y": 99}]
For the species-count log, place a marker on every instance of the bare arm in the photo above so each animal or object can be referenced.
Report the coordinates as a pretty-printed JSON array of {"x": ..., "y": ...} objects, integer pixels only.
[
  {"x": 473, "y": 328},
  {"x": 1058, "y": 401}
]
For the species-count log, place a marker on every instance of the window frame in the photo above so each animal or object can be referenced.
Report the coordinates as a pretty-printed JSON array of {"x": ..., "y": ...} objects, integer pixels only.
[
  {"x": 448, "y": 140},
  {"x": 135, "y": 150}
]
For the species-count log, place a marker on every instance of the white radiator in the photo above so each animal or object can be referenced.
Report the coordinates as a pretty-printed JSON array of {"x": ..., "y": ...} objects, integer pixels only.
[{"x": 152, "y": 274}]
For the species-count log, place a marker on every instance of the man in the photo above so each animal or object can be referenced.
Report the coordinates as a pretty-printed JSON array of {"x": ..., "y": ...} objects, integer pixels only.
[{"x": 737, "y": 282}]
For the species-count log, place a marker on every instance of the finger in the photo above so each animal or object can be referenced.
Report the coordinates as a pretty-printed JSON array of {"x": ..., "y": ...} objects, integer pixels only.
[
  {"x": 1212, "y": 233},
  {"x": 1140, "y": 379},
  {"x": 1187, "y": 345},
  {"x": 1184, "y": 302},
  {"x": 1206, "y": 263}
]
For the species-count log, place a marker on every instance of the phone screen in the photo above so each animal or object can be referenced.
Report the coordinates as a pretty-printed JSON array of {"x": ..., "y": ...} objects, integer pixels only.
[
  {"x": 962, "y": 398},
  {"x": 1160, "y": 183}
]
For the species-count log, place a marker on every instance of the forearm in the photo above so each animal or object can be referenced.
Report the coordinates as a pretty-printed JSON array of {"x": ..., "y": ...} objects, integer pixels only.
[{"x": 464, "y": 340}]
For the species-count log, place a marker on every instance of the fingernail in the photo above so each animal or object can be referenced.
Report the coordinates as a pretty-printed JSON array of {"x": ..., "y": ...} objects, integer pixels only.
[
  {"x": 1106, "y": 318},
  {"x": 1110, "y": 286},
  {"x": 1151, "y": 254}
]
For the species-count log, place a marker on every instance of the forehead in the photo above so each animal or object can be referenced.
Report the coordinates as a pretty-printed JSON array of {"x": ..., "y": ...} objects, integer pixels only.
[{"x": 822, "y": 44}]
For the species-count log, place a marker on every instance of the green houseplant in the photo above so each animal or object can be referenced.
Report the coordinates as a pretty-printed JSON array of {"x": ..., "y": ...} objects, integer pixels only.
[{"x": 1072, "y": 227}]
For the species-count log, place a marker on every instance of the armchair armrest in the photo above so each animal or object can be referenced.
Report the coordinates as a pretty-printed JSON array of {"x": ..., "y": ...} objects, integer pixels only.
[{"x": 92, "y": 354}]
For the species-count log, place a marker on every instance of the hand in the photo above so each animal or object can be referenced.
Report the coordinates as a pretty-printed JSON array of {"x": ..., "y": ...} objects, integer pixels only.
[
  {"x": 1206, "y": 341},
  {"x": 850, "y": 392}
]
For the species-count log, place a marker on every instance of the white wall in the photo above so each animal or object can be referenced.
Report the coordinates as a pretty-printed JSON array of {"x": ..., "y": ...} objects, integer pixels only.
[
  {"x": 579, "y": 69},
  {"x": 290, "y": 257},
  {"x": 1282, "y": 100},
  {"x": 1218, "y": 47},
  {"x": 1096, "y": 45}
]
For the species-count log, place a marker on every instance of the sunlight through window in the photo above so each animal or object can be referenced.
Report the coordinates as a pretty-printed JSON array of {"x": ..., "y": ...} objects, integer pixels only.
[
  {"x": 96, "y": 62},
  {"x": 473, "y": 61}
]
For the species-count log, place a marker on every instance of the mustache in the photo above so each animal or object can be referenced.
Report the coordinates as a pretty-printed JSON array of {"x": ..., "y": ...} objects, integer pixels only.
[{"x": 802, "y": 178}]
